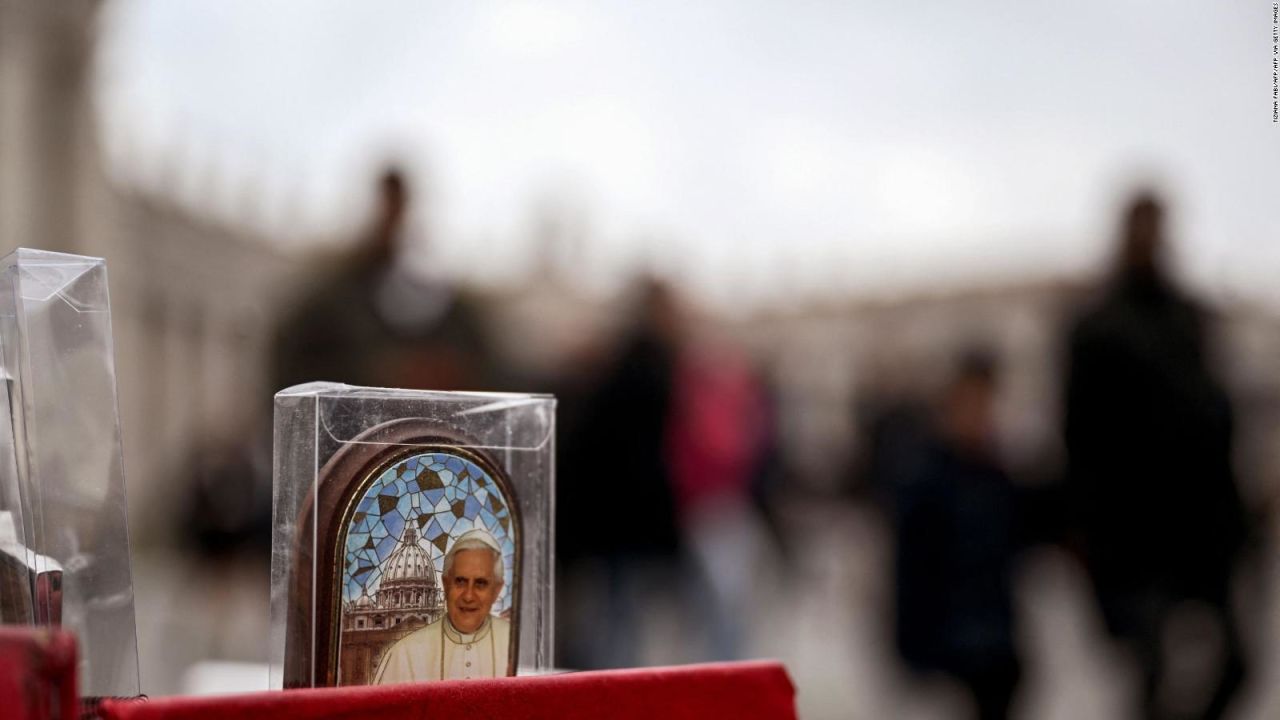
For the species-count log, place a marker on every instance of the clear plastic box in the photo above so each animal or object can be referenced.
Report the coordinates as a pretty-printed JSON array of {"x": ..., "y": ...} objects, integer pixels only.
[
  {"x": 64, "y": 541},
  {"x": 399, "y": 477}
]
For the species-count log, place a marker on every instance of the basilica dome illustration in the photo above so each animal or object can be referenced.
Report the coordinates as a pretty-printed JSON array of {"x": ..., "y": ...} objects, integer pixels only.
[
  {"x": 408, "y": 596},
  {"x": 409, "y": 590}
]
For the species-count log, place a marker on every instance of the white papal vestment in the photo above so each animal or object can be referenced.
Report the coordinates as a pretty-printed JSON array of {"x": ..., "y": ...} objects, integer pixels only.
[{"x": 440, "y": 652}]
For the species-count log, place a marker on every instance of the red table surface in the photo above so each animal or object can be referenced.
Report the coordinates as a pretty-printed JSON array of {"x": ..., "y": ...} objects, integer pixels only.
[{"x": 747, "y": 690}]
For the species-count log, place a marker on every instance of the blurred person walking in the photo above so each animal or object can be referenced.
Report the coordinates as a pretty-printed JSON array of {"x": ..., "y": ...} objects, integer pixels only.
[
  {"x": 366, "y": 321},
  {"x": 955, "y": 522},
  {"x": 1156, "y": 514},
  {"x": 616, "y": 531},
  {"x": 372, "y": 321},
  {"x": 717, "y": 446}
]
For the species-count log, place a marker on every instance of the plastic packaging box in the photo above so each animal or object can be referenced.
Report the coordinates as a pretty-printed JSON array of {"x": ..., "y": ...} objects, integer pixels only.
[
  {"x": 64, "y": 541},
  {"x": 372, "y": 488}
]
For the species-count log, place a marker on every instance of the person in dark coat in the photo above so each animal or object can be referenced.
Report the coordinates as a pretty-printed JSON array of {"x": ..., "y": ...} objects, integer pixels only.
[
  {"x": 615, "y": 504},
  {"x": 1156, "y": 513},
  {"x": 371, "y": 322},
  {"x": 957, "y": 537}
]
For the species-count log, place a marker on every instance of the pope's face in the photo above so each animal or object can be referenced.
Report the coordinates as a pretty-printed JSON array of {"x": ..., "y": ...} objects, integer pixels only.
[{"x": 470, "y": 589}]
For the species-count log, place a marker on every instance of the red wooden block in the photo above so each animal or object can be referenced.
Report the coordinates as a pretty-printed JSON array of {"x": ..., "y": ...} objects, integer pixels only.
[{"x": 37, "y": 674}]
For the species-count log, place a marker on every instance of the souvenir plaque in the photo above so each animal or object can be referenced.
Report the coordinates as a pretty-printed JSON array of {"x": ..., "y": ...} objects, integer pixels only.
[
  {"x": 64, "y": 542},
  {"x": 411, "y": 537}
]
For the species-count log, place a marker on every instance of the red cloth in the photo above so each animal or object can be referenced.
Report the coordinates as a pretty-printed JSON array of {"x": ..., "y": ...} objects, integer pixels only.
[{"x": 746, "y": 691}]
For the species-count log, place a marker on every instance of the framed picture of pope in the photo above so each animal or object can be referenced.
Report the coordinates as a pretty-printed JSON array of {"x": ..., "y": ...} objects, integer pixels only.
[{"x": 426, "y": 545}]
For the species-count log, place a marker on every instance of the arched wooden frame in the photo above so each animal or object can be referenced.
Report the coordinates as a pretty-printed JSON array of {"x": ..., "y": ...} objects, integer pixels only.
[{"x": 311, "y": 643}]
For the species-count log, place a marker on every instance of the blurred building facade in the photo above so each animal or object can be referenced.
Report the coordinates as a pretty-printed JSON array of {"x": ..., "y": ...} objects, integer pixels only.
[
  {"x": 192, "y": 296},
  {"x": 50, "y": 170},
  {"x": 829, "y": 361}
]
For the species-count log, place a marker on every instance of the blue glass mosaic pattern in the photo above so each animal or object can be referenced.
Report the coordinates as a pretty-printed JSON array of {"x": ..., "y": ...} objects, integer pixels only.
[{"x": 443, "y": 496}]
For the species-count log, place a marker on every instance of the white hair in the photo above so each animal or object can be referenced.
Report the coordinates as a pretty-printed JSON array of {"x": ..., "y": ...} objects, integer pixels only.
[{"x": 473, "y": 541}]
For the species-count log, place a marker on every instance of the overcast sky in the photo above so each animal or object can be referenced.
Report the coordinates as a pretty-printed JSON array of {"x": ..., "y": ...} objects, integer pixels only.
[{"x": 790, "y": 147}]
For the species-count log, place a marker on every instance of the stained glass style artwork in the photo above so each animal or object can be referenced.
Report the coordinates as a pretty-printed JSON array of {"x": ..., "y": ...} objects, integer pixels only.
[
  {"x": 426, "y": 512},
  {"x": 396, "y": 514}
]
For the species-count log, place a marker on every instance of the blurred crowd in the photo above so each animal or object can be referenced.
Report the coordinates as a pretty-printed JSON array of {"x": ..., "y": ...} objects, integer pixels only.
[
  {"x": 681, "y": 510},
  {"x": 1146, "y": 499}
]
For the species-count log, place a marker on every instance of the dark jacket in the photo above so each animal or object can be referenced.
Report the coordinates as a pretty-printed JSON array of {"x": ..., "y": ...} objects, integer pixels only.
[{"x": 1148, "y": 436}]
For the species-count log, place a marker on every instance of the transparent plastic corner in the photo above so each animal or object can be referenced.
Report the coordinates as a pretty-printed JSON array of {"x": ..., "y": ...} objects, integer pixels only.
[
  {"x": 64, "y": 542},
  {"x": 373, "y": 489}
]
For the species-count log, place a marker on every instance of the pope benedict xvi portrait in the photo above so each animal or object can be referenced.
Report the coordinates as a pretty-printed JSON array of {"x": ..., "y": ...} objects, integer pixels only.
[{"x": 466, "y": 642}]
